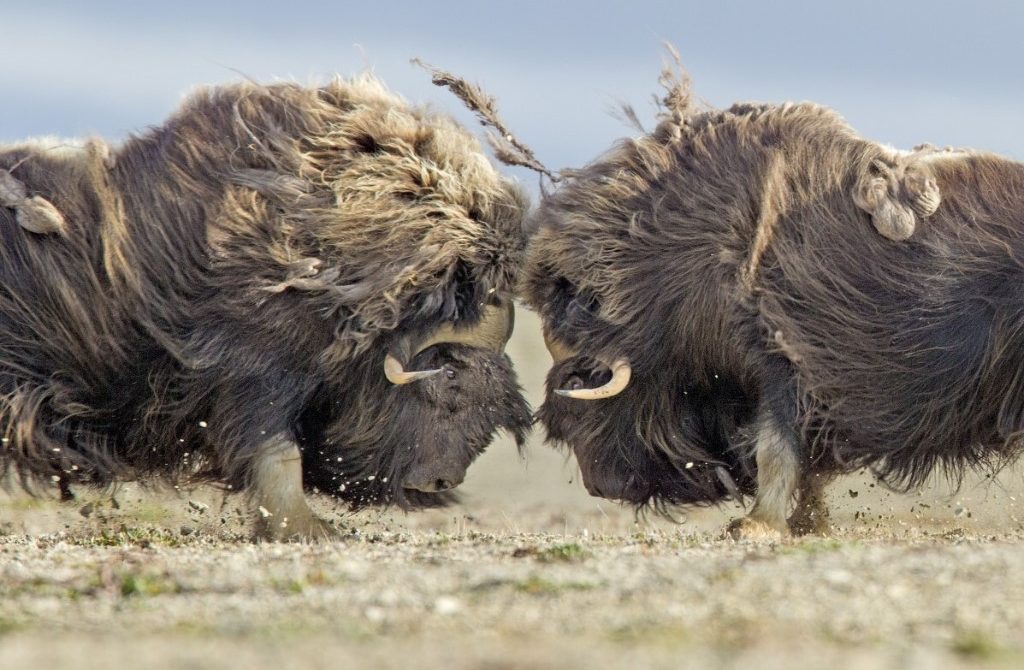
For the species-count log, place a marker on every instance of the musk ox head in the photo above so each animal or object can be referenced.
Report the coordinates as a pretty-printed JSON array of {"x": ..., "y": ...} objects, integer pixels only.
[
  {"x": 408, "y": 436},
  {"x": 436, "y": 427},
  {"x": 657, "y": 439}
]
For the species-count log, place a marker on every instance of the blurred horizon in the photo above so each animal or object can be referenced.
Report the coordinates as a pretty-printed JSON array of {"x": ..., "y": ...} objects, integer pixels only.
[{"x": 901, "y": 73}]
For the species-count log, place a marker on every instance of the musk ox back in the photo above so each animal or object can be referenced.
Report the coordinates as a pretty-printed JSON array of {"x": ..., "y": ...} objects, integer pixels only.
[
  {"x": 726, "y": 320},
  {"x": 280, "y": 285}
]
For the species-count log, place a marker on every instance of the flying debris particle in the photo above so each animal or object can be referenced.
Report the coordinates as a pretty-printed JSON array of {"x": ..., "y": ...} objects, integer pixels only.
[
  {"x": 689, "y": 465},
  {"x": 854, "y": 494},
  {"x": 730, "y": 484},
  {"x": 203, "y": 424},
  {"x": 264, "y": 512},
  {"x": 371, "y": 478},
  {"x": 447, "y": 605},
  {"x": 198, "y": 506},
  {"x": 55, "y": 478}
]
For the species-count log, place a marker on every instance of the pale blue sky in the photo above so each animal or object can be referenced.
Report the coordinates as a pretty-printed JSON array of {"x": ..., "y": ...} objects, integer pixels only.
[{"x": 901, "y": 72}]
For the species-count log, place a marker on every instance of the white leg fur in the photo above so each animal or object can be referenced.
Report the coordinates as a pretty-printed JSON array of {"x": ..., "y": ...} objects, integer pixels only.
[
  {"x": 279, "y": 503},
  {"x": 777, "y": 473}
]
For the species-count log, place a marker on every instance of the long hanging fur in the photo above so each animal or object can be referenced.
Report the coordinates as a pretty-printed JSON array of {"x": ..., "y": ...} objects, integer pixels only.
[
  {"x": 240, "y": 271},
  {"x": 725, "y": 241}
]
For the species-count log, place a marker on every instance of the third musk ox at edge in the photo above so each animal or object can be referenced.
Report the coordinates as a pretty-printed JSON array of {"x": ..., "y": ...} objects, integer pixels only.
[
  {"x": 725, "y": 320},
  {"x": 280, "y": 287}
]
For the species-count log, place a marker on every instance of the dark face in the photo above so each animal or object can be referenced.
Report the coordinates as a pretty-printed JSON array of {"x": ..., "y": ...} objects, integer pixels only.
[
  {"x": 456, "y": 413},
  {"x": 658, "y": 442},
  {"x": 417, "y": 442}
]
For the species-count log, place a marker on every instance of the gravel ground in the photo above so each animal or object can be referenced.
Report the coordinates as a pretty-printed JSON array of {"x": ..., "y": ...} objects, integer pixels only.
[
  {"x": 448, "y": 589},
  {"x": 529, "y": 572}
]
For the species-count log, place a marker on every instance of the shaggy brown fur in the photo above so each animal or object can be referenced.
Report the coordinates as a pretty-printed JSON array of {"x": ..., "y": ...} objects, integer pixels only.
[
  {"x": 773, "y": 335},
  {"x": 226, "y": 288}
]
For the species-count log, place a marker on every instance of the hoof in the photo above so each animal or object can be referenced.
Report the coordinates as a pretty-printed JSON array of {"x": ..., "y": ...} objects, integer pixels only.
[{"x": 752, "y": 530}]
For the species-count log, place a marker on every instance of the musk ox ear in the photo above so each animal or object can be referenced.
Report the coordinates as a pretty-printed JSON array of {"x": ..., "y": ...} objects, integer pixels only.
[
  {"x": 896, "y": 195},
  {"x": 35, "y": 214}
]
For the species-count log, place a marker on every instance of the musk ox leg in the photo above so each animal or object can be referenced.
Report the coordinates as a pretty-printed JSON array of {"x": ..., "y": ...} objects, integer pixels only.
[
  {"x": 895, "y": 193},
  {"x": 279, "y": 503},
  {"x": 778, "y": 469},
  {"x": 811, "y": 515}
]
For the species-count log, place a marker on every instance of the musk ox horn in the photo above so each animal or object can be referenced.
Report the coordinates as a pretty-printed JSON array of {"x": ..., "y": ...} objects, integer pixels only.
[
  {"x": 397, "y": 375},
  {"x": 621, "y": 374},
  {"x": 559, "y": 352},
  {"x": 493, "y": 332}
]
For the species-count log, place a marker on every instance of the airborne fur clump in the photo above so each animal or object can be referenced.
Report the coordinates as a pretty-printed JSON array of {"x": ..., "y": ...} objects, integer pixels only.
[{"x": 507, "y": 147}]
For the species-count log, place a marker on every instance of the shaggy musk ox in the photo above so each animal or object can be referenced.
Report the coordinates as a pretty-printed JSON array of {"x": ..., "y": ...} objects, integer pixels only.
[
  {"x": 279, "y": 288},
  {"x": 726, "y": 321}
]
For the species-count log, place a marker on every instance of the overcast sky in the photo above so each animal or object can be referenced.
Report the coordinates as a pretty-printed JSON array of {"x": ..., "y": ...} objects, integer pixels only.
[{"x": 901, "y": 72}]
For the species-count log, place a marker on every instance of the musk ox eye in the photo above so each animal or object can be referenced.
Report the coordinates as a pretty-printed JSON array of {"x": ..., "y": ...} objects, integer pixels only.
[
  {"x": 573, "y": 383},
  {"x": 449, "y": 371}
]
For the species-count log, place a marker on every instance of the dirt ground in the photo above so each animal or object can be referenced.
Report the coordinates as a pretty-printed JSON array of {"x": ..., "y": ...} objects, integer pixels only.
[{"x": 528, "y": 572}]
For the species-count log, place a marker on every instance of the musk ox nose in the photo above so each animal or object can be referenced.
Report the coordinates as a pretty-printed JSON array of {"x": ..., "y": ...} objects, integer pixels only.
[
  {"x": 612, "y": 487},
  {"x": 433, "y": 480}
]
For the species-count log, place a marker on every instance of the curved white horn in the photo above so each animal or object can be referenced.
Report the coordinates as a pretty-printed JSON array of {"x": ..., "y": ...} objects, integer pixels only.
[
  {"x": 397, "y": 375},
  {"x": 621, "y": 373},
  {"x": 492, "y": 332}
]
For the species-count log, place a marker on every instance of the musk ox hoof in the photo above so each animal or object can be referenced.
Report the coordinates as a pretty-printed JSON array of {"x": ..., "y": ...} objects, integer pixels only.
[
  {"x": 751, "y": 530},
  {"x": 310, "y": 529}
]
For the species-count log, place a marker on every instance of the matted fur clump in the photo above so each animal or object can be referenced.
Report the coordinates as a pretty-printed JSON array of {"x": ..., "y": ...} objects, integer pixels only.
[
  {"x": 731, "y": 262},
  {"x": 228, "y": 285}
]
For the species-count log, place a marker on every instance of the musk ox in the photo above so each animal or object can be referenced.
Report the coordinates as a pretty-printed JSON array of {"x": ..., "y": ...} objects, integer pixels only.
[
  {"x": 280, "y": 288},
  {"x": 725, "y": 322}
]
